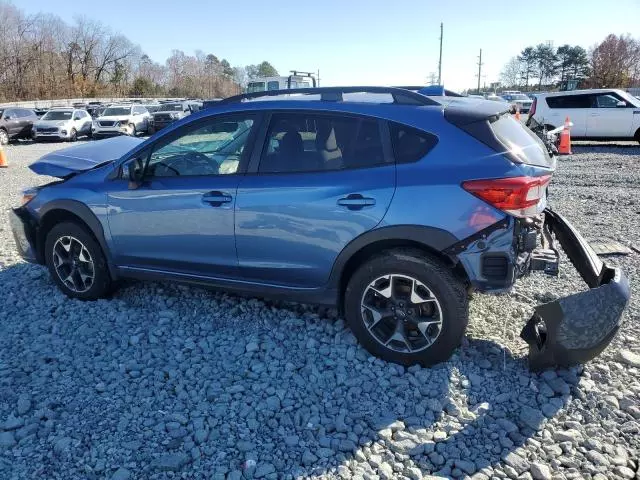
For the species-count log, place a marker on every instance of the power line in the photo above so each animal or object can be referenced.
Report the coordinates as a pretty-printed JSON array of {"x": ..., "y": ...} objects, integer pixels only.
[
  {"x": 479, "y": 69},
  {"x": 440, "y": 60}
]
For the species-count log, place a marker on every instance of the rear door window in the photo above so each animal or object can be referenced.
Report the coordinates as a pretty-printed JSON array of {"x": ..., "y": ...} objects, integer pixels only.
[
  {"x": 310, "y": 142},
  {"x": 410, "y": 144},
  {"x": 569, "y": 101}
]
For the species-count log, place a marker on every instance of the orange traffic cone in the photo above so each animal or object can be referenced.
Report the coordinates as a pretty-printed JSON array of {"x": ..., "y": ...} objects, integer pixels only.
[
  {"x": 565, "y": 139},
  {"x": 3, "y": 159}
]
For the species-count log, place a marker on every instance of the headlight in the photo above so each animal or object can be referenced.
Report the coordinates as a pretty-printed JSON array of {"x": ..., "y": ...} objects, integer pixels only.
[{"x": 28, "y": 195}]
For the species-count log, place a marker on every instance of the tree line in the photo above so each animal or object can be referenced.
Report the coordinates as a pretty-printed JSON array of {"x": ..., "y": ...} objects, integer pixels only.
[
  {"x": 42, "y": 57},
  {"x": 613, "y": 63}
]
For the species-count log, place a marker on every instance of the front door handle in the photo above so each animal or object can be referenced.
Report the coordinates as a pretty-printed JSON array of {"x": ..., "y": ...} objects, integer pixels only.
[
  {"x": 215, "y": 199},
  {"x": 355, "y": 201}
]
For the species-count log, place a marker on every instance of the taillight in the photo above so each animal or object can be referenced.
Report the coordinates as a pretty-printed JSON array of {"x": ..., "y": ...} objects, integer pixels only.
[
  {"x": 532, "y": 110},
  {"x": 518, "y": 196}
]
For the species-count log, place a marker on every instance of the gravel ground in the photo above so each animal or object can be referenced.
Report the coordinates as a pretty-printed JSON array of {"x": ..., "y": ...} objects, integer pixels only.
[{"x": 167, "y": 381}]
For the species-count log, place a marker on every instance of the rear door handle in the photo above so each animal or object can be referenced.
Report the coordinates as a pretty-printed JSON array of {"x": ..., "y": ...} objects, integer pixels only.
[
  {"x": 355, "y": 201},
  {"x": 215, "y": 199}
]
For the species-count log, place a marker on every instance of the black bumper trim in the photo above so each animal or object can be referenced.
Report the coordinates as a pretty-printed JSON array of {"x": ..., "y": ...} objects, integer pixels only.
[
  {"x": 577, "y": 328},
  {"x": 24, "y": 230}
]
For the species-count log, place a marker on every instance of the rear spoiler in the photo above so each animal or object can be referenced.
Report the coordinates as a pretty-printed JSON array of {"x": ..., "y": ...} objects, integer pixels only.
[{"x": 464, "y": 112}]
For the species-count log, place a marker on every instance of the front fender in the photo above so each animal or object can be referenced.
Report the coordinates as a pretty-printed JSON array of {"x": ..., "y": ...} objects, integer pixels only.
[{"x": 84, "y": 213}]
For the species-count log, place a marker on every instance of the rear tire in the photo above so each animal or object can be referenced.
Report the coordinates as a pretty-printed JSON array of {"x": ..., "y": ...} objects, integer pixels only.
[
  {"x": 426, "y": 290},
  {"x": 76, "y": 262},
  {"x": 4, "y": 137}
]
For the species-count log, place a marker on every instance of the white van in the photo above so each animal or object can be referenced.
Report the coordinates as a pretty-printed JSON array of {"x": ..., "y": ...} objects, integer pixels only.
[
  {"x": 265, "y": 84},
  {"x": 597, "y": 114}
]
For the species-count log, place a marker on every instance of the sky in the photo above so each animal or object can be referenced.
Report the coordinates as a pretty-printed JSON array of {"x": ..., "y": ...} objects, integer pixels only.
[{"x": 357, "y": 42}]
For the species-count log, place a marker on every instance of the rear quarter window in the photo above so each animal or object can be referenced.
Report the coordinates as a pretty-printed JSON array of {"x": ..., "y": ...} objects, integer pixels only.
[{"x": 410, "y": 144}]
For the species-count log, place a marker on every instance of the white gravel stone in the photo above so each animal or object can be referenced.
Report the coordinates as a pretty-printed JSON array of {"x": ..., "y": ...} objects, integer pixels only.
[{"x": 167, "y": 380}]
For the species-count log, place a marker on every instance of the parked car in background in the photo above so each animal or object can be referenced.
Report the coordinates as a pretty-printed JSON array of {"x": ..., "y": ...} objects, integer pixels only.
[
  {"x": 62, "y": 124},
  {"x": 169, "y": 113},
  {"x": 151, "y": 108},
  {"x": 494, "y": 98},
  {"x": 314, "y": 200},
  {"x": 596, "y": 114},
  {"x": 519, "y": 101},
  {"x": 126, "y": 119},
  {"x": 15, "y": 123}
]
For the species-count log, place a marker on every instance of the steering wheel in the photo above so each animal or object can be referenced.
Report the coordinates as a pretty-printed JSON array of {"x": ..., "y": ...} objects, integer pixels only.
[{"x": 189, "y": 161}]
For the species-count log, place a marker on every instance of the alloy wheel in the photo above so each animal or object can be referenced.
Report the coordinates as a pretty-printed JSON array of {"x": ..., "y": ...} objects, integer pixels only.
[
  {"x": 73, "y": 264},
  {"x": 401, "y": 313}
]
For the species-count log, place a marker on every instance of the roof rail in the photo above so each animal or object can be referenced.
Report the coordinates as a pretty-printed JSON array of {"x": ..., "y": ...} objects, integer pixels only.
[{"x": 400, "y": 96}]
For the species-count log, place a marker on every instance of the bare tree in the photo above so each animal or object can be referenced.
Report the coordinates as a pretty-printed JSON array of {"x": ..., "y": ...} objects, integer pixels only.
[{"x": 511, "y": 72}]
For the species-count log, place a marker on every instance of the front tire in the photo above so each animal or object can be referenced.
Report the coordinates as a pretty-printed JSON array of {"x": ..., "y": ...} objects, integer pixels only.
[
  {"x": 73, "y": 135},
  {"x": 4, "y": 137},
  {"x": 406, "y": 307},
  {"x": 132, "y": 130},
  {"x": 76, "y": 262}
]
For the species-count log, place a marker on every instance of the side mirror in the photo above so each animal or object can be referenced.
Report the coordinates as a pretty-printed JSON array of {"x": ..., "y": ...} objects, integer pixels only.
[
  {"x": 8, "y": 117},
  {"x": 621, "y": 104},
  {"x": 133, "y": 170}
]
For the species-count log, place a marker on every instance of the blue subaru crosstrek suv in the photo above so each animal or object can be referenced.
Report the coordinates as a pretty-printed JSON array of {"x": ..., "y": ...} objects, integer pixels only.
[{"x": 388, "y": 203}]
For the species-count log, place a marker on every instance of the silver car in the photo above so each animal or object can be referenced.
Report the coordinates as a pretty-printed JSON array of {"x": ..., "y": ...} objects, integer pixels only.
[
  {"x": 62, "y": 124},
  {"x": 126, "y": 119}
]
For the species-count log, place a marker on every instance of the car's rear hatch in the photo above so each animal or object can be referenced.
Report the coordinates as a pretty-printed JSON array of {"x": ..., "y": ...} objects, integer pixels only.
[{"x": 491, "y": 123}]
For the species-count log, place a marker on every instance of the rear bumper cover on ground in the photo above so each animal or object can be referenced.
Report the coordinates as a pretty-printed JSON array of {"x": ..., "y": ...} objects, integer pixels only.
[{"x": 577, "y": 328}]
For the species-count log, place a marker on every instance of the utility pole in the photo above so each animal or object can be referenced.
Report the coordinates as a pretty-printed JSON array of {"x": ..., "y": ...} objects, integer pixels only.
[
  {"x": 432, "y": 78},
  {"x": 479, "y": 69},
  {"x": 440, "y": 60},
  {"x": 318, "y": 79}
]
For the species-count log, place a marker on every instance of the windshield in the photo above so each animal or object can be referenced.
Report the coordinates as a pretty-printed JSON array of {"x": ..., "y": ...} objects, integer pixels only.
[
  {"x": 59, "y": 115},
  {"x": 171, "y": 107},
  {"x": 1, "y": 112},
  {"x": 630, "y": 98},
  {"x": 519, "y": 96},
  {"x": 152, "y": 108},
  {"x": 116, "y": 111}
]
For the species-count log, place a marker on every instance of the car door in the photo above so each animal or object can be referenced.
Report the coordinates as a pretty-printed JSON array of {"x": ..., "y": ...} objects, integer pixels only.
[
  {"x": 319, "y": 181},
  {"x": 180, "y": 219},
  {"x": 572, "y": 106},
  {"x": 610, "y": 116}
]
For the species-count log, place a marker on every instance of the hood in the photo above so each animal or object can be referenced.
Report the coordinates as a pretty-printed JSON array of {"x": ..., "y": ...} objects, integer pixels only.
[
  {"x": 51, "y": 123},
  {"x": 86, "y": 156}
]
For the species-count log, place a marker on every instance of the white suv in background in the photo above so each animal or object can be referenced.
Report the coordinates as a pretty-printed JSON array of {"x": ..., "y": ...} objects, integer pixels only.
[
  {"x": 62, "y": 124},
  {"x": 596, "y": 114},
  {"x": 121, "y": 120}
]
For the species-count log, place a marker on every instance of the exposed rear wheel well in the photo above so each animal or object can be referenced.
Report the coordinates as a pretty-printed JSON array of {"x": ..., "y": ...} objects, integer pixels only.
[
  {"x": 380, "y": 246},
  {"x": 51, "y": 219}
]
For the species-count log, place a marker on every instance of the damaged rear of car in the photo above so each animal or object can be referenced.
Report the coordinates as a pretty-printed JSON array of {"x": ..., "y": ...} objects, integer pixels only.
[{"x": 569, "y": 330}]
